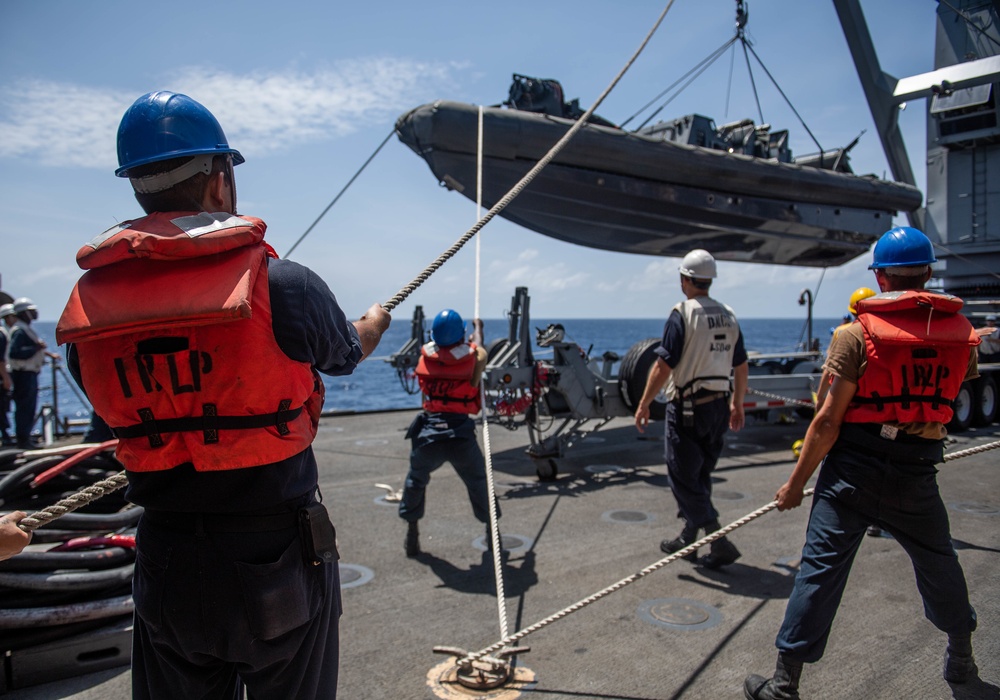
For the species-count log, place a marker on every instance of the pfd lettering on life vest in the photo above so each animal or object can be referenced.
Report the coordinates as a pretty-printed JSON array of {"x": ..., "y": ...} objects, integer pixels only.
[
  {"x": 924, "y": 375},
  {"x": 917, "y": 345},
  {"x": 144, "y": 370}
]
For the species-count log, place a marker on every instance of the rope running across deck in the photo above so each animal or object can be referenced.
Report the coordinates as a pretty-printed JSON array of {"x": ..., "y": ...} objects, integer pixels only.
[
  {"x": 119, "y": 480},
  {"x": 580, "y": 604},
  {"x": 708, "y": 539}
]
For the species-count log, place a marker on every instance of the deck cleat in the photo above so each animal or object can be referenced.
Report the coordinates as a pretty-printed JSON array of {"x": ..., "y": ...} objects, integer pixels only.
[{"x": 484, "y": 673}]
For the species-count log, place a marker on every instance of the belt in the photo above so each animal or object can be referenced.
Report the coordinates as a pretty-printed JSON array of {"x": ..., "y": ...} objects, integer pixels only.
[
  {"x": 703, "y": 398},
  {"x": 867, "y": 438},
  {"x": 892, "y": 433},
  {"x": 220, "y": 522}
]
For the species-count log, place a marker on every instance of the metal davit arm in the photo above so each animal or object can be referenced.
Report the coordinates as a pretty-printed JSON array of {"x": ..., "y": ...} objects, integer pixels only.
[{"x": 879, "y": 89}]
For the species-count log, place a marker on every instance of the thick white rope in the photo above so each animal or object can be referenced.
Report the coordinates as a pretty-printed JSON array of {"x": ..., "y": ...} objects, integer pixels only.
[
  {"x": 708, "y": 539},
  {"x": 73, "y": 501},
  {"x": 403, "y": 293},
  {"x": 479, "y": 208},
  {"x": 494, "y": 532},
  {"x": 119, "y": 480},
  {"x": 580, "y": 604},
  {"x": 972, "y": 451}
]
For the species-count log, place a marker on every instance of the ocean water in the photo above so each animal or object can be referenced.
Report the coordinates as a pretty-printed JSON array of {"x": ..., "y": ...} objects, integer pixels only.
[{"x": 374, "y": 386}]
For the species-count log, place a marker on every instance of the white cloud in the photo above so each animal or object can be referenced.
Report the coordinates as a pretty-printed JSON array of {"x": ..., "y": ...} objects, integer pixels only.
[
  {"x": 60, "y": 124},
  {"x": 554, "y": 277},
  {"x": 656, "y": 276},
  {"x": 69, "y": 125}
]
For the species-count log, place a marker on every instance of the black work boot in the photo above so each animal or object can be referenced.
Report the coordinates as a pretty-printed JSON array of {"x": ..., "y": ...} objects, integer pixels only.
[
  {"x": 959, "y": 666},
  {"x": 682, "y": 540},
  {"x": 412, "y": 542},
  {"x": 722, "y": 553},
  {"x": 783, "y": 686}
]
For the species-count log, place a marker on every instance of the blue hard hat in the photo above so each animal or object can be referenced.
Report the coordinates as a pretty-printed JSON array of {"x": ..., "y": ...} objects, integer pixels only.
[
  {"x": 164, "y": 125},
  {"x": 902, "y": 247},
  {"x": 448, "y": 328}
]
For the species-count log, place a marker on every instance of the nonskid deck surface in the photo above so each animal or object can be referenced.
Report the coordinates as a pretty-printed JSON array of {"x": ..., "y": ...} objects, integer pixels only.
[{"x": 681, "y": 632}]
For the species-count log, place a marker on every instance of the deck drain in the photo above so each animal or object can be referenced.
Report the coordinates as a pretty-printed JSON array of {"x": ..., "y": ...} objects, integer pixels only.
[
  {"x": 508, "y": 543},
  {"x": 603, "y": 468},
  {"x": 367, "y": 442},
  {"x": 729, "y": 495},
  {"x": 354, "y": 575},
  {"x": 679, "y": 614},
  {"x": 627, "y": 516},
  {"x": 975, "y": 508}
]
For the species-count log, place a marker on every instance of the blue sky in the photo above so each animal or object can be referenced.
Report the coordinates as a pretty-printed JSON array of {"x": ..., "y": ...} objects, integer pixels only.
[{"x": 307, "y": 90}]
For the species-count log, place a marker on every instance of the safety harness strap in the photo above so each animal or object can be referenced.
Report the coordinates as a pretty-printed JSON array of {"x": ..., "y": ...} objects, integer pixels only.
[{"x": 209, "y": 424}]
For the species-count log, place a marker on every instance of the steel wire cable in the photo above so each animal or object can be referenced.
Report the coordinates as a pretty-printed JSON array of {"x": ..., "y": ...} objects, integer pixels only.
[
  {"x": 339, "y": 194},
  {"x": 778, "y": 397}
]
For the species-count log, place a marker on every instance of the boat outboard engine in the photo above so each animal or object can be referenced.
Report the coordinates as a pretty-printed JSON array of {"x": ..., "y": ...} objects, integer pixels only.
[
  {"x": 536, "y": 95},
  {"x": 544, "y": 96}
]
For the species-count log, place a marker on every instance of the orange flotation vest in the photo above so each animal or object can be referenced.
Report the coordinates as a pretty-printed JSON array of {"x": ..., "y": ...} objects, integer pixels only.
[
  {"x": 172, "y": 326},
  {"x": 444, "y": 375},
  {"x": 917, "y": 346}
]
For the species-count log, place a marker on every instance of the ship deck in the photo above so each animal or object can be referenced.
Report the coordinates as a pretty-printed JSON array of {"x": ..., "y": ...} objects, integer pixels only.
[{"x": 679, "y": 632}]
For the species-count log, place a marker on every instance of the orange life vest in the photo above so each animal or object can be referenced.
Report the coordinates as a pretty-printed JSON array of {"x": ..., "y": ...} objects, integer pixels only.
[
  {"x": 917, "y": 346},
  {"x": 172, "y": 326},
  {"x": 444, "y": 375}
]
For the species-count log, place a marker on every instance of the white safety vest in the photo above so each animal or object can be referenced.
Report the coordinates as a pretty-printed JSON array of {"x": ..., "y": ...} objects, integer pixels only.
[
  {"x": 706, "y": 362},
  {"x": 31, "y": 364},
  {"x": 6, "y": 349}
]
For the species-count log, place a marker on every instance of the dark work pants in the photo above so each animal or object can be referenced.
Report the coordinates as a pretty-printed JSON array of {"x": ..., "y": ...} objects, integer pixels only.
[
  {"x": 213, "y": 606},
  {"x": 5, "y": 410},
  {"x": 857, "y": 488},
  {"x": 25, "y": 398},
  {"x": 467, "y": 459},
  {"x": 691, "y": 453}
]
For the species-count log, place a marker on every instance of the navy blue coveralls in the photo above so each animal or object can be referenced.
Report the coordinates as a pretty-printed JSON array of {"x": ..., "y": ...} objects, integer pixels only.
[
  {"x": 25, "y": 392},
  {"x": 220, "y": 587},
  {"x": 4, "y": 393},
  {"x": 436, "y": 438},
  {"x": 868, "y": 480},
  {"x": 691, "y": 452}
]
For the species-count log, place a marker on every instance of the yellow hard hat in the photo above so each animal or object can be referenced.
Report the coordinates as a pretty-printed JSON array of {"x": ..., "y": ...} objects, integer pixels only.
[{"x": 859, "y": 294}]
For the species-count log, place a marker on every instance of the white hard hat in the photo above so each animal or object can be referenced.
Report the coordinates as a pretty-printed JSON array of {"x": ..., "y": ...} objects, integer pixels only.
[
  {"x": 24, "y": 304},
  {"x": 6, "y": 310},
  {"x": 698, "y": 263}
]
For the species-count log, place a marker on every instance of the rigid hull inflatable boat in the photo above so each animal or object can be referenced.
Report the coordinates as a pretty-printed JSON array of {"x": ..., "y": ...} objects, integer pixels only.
[{"x": 662, "y": 190}]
